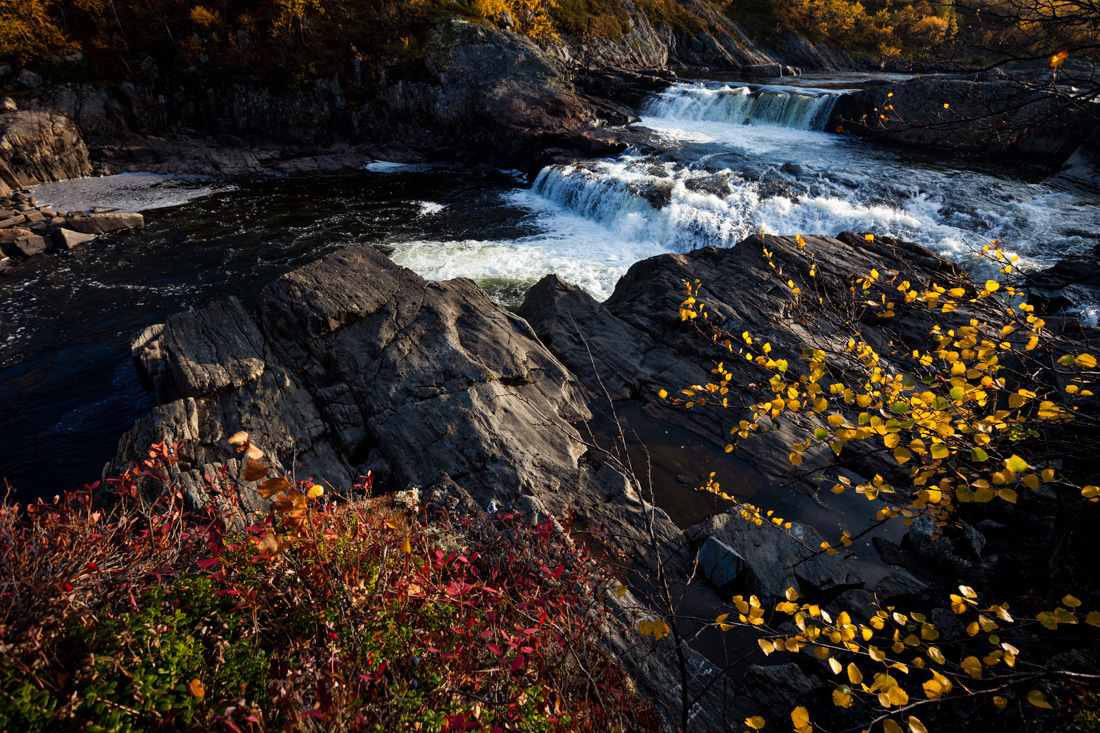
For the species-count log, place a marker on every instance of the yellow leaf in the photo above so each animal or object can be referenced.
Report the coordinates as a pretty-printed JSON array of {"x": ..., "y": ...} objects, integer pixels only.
[
  {"x": 1000, "y": 702},
  {"x": 755, "y": 722},
  {"x": 1056, "y": 61},
  {"x": 621, "y": 591},
  {"x": 901, "y": 455},
  {"x": 888, "y": 725},
  {"x": 407, "y": 546},
  {"x": 238, "y": 438},
  {"x": 315, "y": 491},
  {"x": 854, "y": 675},
  {"x": 1093, "y": 619},
  {"x": 915, "y": 726},
  {"x": 800, "y": 717},
  {"x": 663, "y": 394},
  {"x": 195, "y": 688},
  {"x": 1016, "y": 464},
  {"x": 1088, "y": 361},
  {"x": 1071, "y": 602},
  {"x": 836, "y": 666},
  {"x": 891, "y": 440},
  {"x": 842, "y": 698},
  {"x": 1036, "y": 698},
  {"x": 973, "y": 667}
]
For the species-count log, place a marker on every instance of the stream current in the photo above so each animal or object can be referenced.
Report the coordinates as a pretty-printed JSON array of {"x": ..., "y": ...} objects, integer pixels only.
[{"x": 710, "y": 163}]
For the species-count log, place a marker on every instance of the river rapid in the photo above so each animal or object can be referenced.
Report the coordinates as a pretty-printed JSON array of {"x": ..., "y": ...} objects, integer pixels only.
[{"x": 710, "y": 163}]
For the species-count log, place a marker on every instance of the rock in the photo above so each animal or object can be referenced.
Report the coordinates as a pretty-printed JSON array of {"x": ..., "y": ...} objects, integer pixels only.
[
  {"x": 353, "y": 359},
  {"x": 12, "y": 221},
  {"x": 105, "y": 223},
  {"x": 28, "y": 246},
  {"x": 1001, "y": 118},
  {"x": 763, "y": 70},
  {"x": 7, "y": 104},
  {"x": 931, "y": 543},
  {"x": 38, "y": 146},
  {"x": 948, "y": 624},
  {"x": 896, "y": 585},
  {"x": 766, "y": 560},
  {"x": 777, "y": 689},
  {"x": 635, "y": 343},
  {"x": 28, "y": 79},
  {"x": 1070, "y": 283},
  {"x": 859, "y": 603},
  {"x": 719, "y": 563}
]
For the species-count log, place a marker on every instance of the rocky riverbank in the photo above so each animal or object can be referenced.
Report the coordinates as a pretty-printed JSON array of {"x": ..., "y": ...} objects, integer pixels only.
[
  {"x": 353, "y": 364},
  {"x": 27, "y": 229}
]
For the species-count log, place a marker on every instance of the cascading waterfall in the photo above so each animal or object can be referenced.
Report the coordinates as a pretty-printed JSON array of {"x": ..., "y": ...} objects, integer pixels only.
[{"x": 743, "y": 106}]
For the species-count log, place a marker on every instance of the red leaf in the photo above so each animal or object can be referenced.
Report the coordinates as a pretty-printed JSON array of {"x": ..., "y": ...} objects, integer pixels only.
[
  {"x": 495, "y": 649},
  {"x": 518, "y": 662}
]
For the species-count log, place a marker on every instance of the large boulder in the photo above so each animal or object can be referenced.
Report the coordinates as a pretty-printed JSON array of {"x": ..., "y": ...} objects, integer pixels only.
[
  {"x": 36, "y": 147},
  {"x": 1004, "y": 117}
]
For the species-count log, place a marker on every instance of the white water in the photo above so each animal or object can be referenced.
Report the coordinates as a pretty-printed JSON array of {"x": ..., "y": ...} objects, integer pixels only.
[
  {"x": 739, "y": 105},
  {"x": 724, "y": 161}
]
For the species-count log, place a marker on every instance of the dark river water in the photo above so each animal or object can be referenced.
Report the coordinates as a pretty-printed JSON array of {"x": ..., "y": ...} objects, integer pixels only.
[{"x": 713, "y": 161}]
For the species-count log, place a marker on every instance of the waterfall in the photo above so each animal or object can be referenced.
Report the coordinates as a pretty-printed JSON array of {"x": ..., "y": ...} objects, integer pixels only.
[{"x": 800, "y": 110}]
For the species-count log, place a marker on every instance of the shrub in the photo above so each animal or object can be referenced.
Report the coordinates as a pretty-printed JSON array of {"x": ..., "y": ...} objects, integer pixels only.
[{"x": 123, "y": 613}]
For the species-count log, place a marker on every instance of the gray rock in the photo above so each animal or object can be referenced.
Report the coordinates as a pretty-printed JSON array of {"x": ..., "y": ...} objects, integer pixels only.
[
  {"x": 766, "y": 560},
  {"x": 777, "y": 689},
  {"x": 106, "y": 223},
  {"x": 932, "y": 544},
  {"x": 28, "y": 79},
  {"x": 948, "y": 624},
  {"x": 970, "y": 115},
  {"x": 859, "y": 603},
  {"x": 437, "y": 381},
  {"x": 719, "y": 563},
  {"x": 896, "y": 585}
]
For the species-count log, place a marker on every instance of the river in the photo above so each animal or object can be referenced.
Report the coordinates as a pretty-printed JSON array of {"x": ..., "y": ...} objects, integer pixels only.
[{"x": 710, "y": 162}]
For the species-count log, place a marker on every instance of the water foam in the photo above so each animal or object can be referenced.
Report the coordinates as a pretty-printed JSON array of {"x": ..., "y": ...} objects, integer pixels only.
[{"x": 799, "y": 109}]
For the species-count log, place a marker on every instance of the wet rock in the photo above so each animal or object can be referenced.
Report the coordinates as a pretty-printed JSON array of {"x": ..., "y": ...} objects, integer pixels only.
[
  {"x": 26, "y": 246},
  {"x": 766, "y": 560},
  {"x": 106, "y": 223},
  {"x": 1071, "y": 283}
]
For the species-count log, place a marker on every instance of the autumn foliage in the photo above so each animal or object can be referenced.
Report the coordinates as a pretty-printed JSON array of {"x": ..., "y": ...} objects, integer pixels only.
[{"x": 124, "y": 611}]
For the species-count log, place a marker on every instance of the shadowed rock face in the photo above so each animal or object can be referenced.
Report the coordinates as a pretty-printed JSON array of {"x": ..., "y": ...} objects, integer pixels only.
[{"x": 353, "y": 358}]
